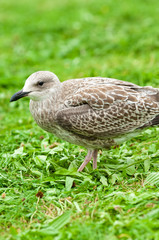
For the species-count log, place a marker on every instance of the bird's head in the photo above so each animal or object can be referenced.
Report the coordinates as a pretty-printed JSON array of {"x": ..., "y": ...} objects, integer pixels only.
[{"x": 38, "y": 86}]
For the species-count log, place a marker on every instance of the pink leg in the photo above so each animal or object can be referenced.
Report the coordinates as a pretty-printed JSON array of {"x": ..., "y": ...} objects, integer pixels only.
[
  {"x": 86, "y": 160},
  {"x": 95, "y": 153}
]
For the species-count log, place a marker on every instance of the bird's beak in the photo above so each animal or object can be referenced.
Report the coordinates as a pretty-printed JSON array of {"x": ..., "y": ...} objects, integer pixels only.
[{"x": 19, "y": 95}]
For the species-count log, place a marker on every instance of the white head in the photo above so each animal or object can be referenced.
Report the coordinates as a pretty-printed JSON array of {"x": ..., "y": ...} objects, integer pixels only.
[{"x": 38, "y": 86}]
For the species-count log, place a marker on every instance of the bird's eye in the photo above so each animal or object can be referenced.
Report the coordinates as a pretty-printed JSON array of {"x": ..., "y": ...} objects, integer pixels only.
[{"x": 40, "y": 83}]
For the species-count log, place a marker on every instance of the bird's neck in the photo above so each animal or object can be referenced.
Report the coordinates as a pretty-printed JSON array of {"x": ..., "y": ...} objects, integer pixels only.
[{"x": 44, "y": 111}]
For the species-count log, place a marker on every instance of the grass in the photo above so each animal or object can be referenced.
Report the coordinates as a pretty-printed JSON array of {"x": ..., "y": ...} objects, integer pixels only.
[{"x": 42, "y": 195}]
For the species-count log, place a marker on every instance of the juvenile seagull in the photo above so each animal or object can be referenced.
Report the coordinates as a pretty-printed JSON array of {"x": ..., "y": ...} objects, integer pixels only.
[{"x": 93, "y": 112}]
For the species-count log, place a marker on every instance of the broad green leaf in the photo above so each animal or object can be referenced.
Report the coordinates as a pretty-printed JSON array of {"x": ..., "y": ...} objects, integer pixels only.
[
  {"x": 115, "y": 177},
  {"x": 130, "y": 170},
  {"x": 152, "y": 179},
  {"x": 104, "y": 181},
  {"x": 18, "y": 152},
  {"x": 77, "y": 207},
  {"x": 57, "y": 149},
  {"x": 147, "y": 165},
  {"x": 55, "y": 225},
  {"x": 40, "y": 159},
  {"x": 68, "y": 183}
]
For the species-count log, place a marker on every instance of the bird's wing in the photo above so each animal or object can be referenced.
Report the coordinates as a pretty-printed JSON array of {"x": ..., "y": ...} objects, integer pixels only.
[{"x": 105, "y": 110}]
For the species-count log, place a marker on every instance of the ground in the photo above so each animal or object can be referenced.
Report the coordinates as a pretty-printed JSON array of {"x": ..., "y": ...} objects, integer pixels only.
[{"x": 41, "y": 194}]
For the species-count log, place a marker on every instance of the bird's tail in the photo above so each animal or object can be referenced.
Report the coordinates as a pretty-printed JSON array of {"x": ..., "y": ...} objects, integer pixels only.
[{"x": 155, "y": 121}]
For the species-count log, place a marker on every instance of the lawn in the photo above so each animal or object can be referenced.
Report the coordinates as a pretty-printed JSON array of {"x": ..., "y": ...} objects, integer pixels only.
[{"x": 41, "y": 194}]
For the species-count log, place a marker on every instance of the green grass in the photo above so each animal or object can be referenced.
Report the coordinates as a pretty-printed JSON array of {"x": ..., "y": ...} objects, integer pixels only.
[{"x": 41, "y": 194}]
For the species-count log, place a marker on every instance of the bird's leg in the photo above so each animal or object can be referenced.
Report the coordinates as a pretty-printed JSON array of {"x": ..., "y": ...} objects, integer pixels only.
[
  {"x": 95, "y": 153},
  {"x": 86, "y": 160}
]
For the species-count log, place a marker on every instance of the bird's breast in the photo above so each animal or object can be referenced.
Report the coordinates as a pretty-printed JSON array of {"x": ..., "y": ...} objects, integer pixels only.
[{"x": 44, "y": 113}]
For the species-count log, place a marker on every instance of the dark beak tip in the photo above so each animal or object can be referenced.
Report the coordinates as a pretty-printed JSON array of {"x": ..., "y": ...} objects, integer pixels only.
[
  {"x": 19, "y": 95},
  {"x": 12, "y": 99}
]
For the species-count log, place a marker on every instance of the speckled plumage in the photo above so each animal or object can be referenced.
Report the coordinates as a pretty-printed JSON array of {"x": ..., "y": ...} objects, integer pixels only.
[{"x": 96, "y": 112}]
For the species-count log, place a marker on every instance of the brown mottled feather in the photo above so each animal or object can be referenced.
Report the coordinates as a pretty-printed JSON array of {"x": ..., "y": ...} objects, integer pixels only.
[{"x": 107, "y": 108}]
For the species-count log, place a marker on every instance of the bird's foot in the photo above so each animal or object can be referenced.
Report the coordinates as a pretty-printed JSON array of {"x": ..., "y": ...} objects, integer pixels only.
[
  {"x": 95, "y": 153},
  {"x": 90, "y": 154}
]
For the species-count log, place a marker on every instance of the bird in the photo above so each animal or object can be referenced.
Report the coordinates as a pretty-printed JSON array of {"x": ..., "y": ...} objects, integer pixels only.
[{"x": 93, "y": 112}]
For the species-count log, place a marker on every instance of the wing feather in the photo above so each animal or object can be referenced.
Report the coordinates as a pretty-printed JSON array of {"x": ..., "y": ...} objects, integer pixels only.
[{"x": 105, "y": 110}]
